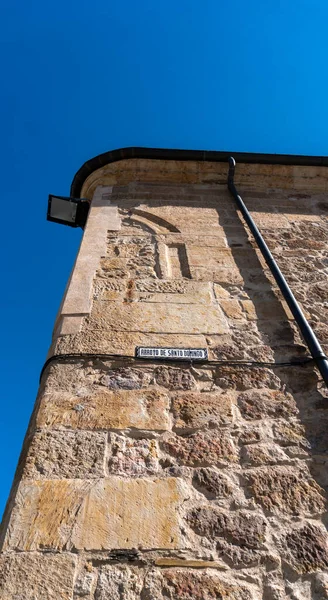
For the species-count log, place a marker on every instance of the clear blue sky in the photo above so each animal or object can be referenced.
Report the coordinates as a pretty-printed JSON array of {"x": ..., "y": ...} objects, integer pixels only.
[{"x": 79, "y": 78}]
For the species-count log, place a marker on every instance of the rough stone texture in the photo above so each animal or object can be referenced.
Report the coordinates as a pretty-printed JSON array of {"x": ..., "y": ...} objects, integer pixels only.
[
  {"x": 181, "y": 480},
  {"x": 201, "y": 449},
  {"x": 119, "y": 582},
  {"x": 36, "y": 576},
  {"x": 241, "y": 529},
  {"x": 69, "y": 454},
  {"x": 129, "y": 457},
  {"x": 174, "y": 379},
  {"x": 194, "y": 410},
  {"x": 286, "y": 489},
  {"x": 256, "y": 404},
  {"x": 212, "y": 483},
  {"x": 183, "y": 584},
  {"x": 306, "y": 548}
]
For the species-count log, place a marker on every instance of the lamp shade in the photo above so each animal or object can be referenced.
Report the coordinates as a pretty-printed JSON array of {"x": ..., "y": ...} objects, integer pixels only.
[{"x": 68, "y": 211}]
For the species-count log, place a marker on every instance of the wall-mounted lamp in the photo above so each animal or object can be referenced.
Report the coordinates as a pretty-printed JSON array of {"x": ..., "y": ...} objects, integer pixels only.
[{"x": 68, "y": 211}]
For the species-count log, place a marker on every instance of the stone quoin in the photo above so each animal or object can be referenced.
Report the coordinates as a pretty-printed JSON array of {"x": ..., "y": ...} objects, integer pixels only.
[{"x": 149, "y": 478}]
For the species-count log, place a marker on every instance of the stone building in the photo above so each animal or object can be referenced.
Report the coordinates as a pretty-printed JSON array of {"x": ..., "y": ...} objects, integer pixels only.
[{"x": 159, "y": 479}]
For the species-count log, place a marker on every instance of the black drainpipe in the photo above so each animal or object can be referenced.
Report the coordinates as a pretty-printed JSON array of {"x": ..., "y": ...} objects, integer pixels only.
[{"x": 305, "y": 329}]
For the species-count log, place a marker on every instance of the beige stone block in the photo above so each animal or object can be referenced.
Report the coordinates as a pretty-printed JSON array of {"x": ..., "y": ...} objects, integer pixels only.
[
  {"x": 225, "y": 275},
  {"x": 169, "y": 318},
  {"x": 71, "y": 454},
  {"x": 266, "y": 310},
  {"x": 220, "y": 292},
  {"x": 217, "y": 241},
  {"x": 200, "y": 256},
  {"x": 232, "y": 309},
  {"x": 185, "y": 292},
  {"x": 193, "y": 410},
  {"x": 26, "y": 576},
  {"x": 296, "y": 218},
  {"x": 270, "y": 220},
  {"x": 99, "y": 515},
  {"x": 106, "y": 409},
  {"x": 125, "y": 342}
]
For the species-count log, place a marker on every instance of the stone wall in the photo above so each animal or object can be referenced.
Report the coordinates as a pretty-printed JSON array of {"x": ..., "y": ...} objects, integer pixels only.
[{"x": 146, "y": 480}]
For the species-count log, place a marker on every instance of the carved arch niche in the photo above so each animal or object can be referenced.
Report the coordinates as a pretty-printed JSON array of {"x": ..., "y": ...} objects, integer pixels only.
[{"x": 171, "y": 257}]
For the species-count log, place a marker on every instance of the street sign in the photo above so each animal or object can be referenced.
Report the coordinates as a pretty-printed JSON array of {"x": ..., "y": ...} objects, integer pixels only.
[{"x": 191, "y": 354}]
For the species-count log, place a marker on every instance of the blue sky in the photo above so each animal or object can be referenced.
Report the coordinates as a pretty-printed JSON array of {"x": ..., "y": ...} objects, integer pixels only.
[{"x": 79, "y": 78}]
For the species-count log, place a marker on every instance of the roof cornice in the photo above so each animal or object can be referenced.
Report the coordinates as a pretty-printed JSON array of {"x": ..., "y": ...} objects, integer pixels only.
[{"x": 195, "y": 155}]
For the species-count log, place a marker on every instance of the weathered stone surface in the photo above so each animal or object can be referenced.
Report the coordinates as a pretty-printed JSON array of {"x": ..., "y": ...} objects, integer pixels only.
[
  {"x": 85, "y": 582},
  {"x": 306, "y": 548},
  {"x": 132, "y": 458},
  {"x": 201, "y": 448},
  {"x": 221, "y": 275},
  {"x": 174, "y": 378},
  {"x": 244, "y": 378},
  {"x": 146, "y": 317},
  {"x": 255, "y": 404},
  {"x": 187, "y": 584},
  {"x": 71, "y": 454},
  {"x": 212, "y": 484},
  {"x": 316, "y": 432},
  {"x": 286, "y": 489},
  {"x": 290, "y": 433},
  {"x": 118, "y": 582},
  {"x": 27, "y": 576},
  {"x": 124, "y": 342},
  {"x": 194, "y": 410},
  {"x": 106, "y": 410},
  {"x": 173, "y": 291},
  {"x": 263, "y": 454},
  {"x": 126, "y": 378},
  {"x": 105, "y": 514},
  {"x": 242, "y": 529}
]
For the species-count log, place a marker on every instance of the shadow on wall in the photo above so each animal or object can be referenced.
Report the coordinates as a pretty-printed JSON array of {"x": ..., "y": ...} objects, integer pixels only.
[{"x": 306, "y": 434}]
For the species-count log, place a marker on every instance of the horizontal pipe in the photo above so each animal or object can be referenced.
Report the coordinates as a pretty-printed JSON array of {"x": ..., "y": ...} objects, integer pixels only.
[{"x": 304, "y": 327}]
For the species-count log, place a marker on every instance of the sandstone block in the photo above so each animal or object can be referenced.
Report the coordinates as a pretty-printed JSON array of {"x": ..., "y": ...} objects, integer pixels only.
[
  {"x": 126, "y": 378},
  {"x": 173, "y": 291},
  {"x": 188, "y": 584},
  {"x": 200, "y": 449},
  {"x": 255, "y": 404},
  {"x": 290, "y": 433},
  {"x": 132, "y": 458},
  {"x": 98, "y": 515},
  {"x": 232, "y": 309},
  {"x": 117, "y": 582},
  {"x": 124, "y": 342},
  {"x": 212, "y": 484},
  {"x": 148, "y": 317},
  {"x": 194, "y": 410},
  {"x": 286, "y": 489},
  {"x": 262, "y": 454},
  {"x": 222, "y": 275},
  {"x": 240, "y": 537},
  {"x": 85, "y": 583},
  {"x": 305, "y": 548},
  {"x": 71, "y": 454},
  {"x": 106, "y": 410},
  {"x": 36, "y": 576},
  {"x": 245, "y": 379},
  {"x": 172, "y": 378},
  {"x": 242, "y": 528},
  {"x": 210, "y": 257}
]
